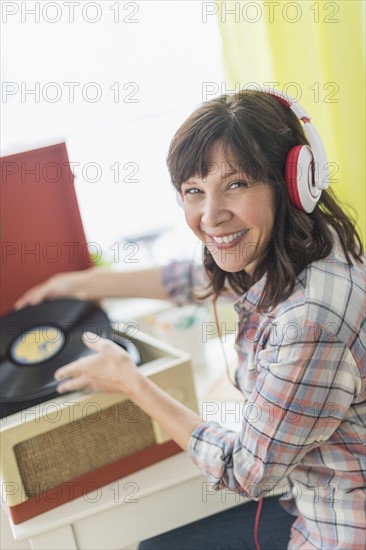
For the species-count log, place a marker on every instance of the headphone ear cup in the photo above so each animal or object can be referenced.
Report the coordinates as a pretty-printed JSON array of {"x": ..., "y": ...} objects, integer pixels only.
[
  {"x": 292, "y": 175},
  {"x": 300, "y": 178}
]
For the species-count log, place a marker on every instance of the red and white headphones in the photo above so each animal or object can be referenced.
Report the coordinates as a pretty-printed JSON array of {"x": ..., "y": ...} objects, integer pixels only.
[{"x": 307, "y": 171}]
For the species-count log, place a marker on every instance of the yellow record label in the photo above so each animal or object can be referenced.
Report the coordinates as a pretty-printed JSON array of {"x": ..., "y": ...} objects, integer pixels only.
[{"x": 37, "y": 344}]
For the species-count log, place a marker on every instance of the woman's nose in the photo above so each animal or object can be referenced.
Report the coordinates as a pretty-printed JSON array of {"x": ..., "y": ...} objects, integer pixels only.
[{"x": 214, "y": 211}]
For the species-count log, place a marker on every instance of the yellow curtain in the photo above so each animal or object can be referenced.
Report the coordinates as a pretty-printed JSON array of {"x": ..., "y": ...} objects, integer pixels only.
[{"x": 314, "y": 51}]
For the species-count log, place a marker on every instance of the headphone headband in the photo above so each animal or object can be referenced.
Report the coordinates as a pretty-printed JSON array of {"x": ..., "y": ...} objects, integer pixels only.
[{"x": 290, "y": 102}]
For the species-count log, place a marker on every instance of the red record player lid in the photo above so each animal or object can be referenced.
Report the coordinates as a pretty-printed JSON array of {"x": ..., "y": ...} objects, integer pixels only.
[{"x": 41, "y": 228}]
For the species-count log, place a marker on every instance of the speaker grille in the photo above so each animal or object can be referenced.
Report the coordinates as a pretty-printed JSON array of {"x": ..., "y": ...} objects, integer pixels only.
[{"x": 65, "y": 453}]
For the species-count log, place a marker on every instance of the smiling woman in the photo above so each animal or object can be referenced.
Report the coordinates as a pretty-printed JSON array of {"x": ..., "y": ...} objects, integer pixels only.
[{"x": 246, "y": 165}]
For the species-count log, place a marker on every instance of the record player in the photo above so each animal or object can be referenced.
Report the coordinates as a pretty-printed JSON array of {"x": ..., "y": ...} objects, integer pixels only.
[{"x": 55, "y": 448}]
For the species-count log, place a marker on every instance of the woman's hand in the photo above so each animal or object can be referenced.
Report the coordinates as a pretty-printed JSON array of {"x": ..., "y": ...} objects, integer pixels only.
[
  {"x": 62, "y": 285},
  {"x": 110, "y": 369}
]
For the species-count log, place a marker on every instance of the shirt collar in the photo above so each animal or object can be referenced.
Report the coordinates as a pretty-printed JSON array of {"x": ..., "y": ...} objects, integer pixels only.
[{"x": 250, "y": 299}]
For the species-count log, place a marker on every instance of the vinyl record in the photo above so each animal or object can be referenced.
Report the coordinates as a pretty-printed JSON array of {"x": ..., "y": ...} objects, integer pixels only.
[{"x": 37, "y": 340}]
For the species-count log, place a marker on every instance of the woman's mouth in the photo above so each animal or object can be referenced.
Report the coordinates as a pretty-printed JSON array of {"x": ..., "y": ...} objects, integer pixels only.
[{"x": 229, "y": 240}]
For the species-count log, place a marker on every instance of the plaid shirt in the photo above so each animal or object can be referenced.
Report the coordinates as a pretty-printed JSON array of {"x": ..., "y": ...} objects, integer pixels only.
[{"x": 302, "y": 372}]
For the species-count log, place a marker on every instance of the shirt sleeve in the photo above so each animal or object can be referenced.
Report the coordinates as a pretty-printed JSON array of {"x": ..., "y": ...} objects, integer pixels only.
[
  {"x": 181, "y": 279},
  {"x": 306, "y": 382}
]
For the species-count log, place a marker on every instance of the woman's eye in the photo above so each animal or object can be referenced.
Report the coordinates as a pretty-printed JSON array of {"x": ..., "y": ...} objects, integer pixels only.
[
  {"x": 239, "y": 184},
  {"x": 191, "y": 191}
]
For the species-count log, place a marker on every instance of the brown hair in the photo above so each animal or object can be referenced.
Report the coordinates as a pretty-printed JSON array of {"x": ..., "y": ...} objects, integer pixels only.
[{"x": 258, "y": 131}]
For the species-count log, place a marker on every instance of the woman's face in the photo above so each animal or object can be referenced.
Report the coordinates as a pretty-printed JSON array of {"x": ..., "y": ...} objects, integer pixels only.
[{"x": 230, "y": 215}]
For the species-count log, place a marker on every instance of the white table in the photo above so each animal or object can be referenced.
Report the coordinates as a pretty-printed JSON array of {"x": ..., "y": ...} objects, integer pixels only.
[{"x": 156, "y": 499}]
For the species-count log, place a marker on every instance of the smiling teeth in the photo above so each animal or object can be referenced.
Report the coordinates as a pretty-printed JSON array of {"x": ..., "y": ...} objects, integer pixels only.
[{"x": 229, "y": 238}]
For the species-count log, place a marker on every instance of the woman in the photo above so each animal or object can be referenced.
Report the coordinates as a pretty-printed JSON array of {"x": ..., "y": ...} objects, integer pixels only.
[{"x": 294, "y": 260}]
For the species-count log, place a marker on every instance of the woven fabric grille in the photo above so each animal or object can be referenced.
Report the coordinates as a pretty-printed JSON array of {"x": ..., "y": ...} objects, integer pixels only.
[{"x": 65, "y": 453}]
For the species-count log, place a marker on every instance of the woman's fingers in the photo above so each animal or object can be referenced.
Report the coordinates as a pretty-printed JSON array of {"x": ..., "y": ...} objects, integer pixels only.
[
  {"x": 94, "y": 342},
  {"x": 72, "y": 384},
  {"x": 72, "y": 370},
  {"x": 31, "y": 298},
  {"x": 109, "y": 369}
]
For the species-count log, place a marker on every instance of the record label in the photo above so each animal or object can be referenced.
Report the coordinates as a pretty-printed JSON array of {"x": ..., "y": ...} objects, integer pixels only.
[{"x": 37, "y": 344}]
